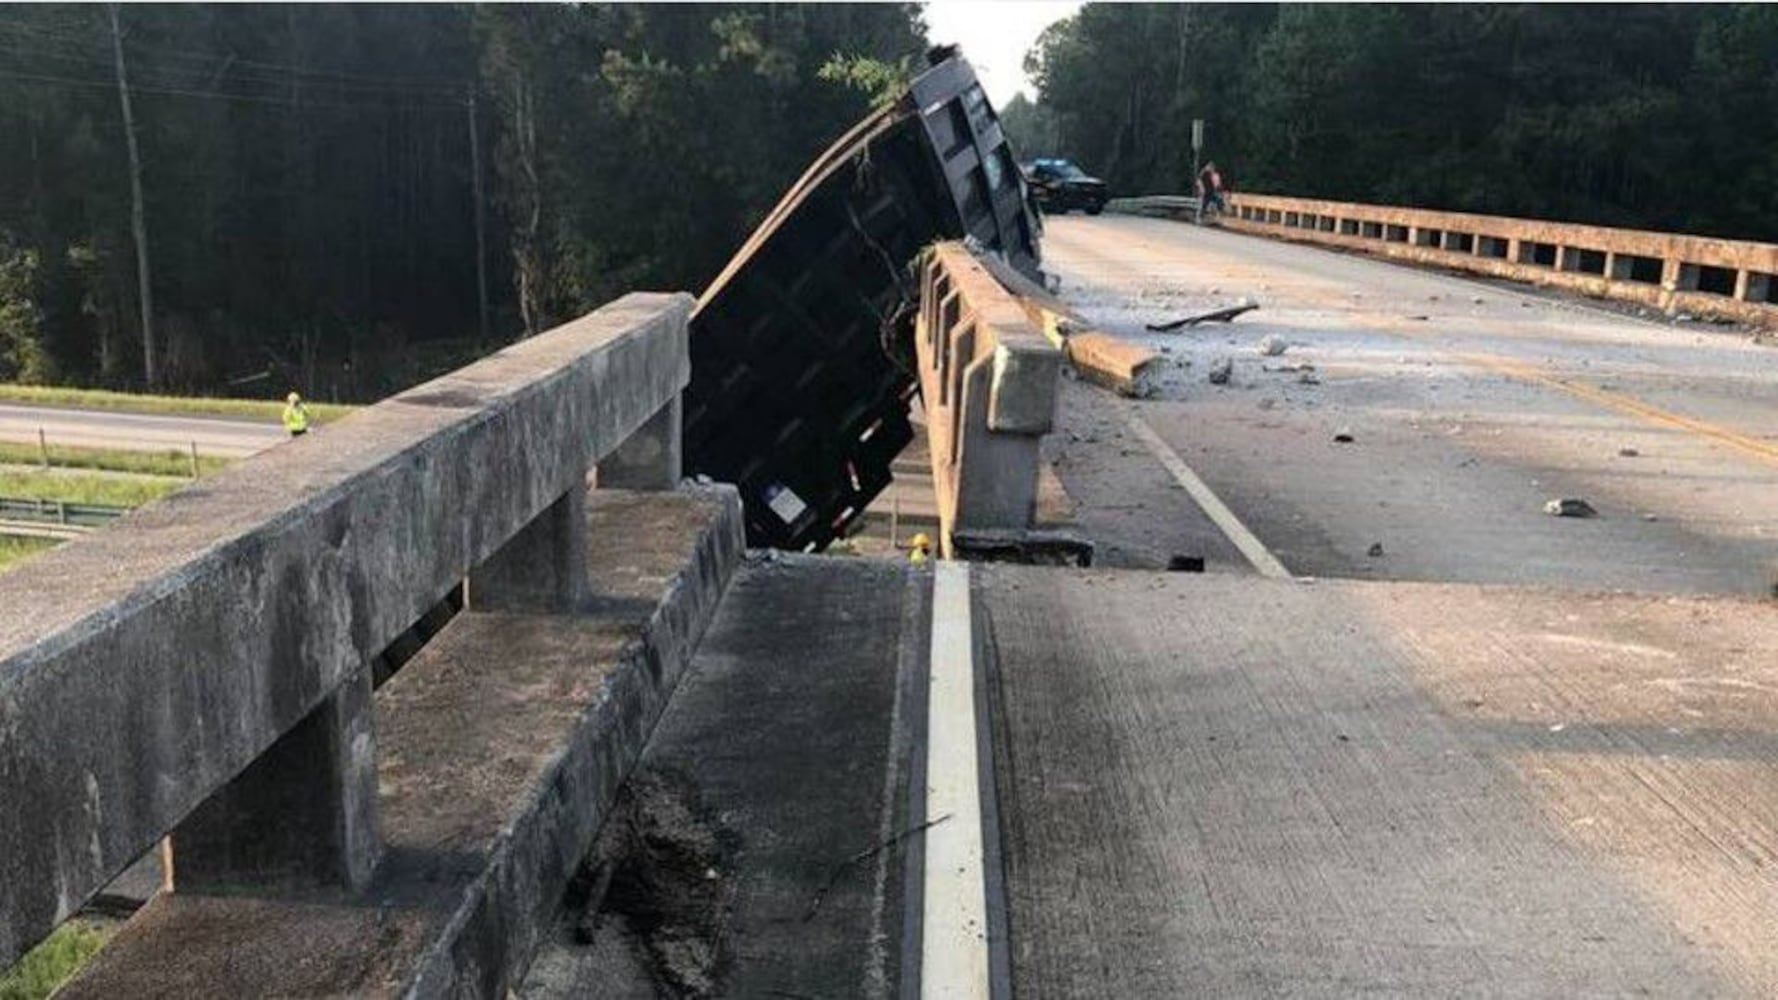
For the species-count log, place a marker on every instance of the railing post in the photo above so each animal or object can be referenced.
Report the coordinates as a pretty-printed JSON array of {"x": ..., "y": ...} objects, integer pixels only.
[
  {"x": 651, "y": 458},
  {"x": 543, "y": 567},
  {"x": 302, "y": 814},
  {"x": 1755, "y": 287}
]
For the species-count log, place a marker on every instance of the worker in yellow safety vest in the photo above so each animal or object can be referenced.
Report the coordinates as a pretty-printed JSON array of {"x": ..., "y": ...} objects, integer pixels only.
[
  {"x": 919, "y": 548},
  {"x": 296, "y": 415}
]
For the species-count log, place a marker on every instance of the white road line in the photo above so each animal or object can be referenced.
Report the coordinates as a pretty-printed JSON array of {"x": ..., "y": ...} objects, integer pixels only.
[
  {"x": 1207, "y": 501},
  {"x": 954, "y": 936}
]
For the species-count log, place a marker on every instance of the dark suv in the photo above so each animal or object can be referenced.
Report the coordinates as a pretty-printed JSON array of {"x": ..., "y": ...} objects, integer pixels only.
[{"x": 1059, "y": 185}]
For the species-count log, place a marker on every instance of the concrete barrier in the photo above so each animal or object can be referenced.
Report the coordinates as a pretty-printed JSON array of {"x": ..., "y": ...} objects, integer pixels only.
[
  {"x": 501, "y": 747},
  {"x": 200, "y": 667},
  {"x": 988, "y": 382},
  {"x": 1669, "y": 272}
]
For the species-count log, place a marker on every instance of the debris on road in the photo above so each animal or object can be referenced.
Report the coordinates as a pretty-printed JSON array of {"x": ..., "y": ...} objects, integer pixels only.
[
  {"x": 1343, "y": 436},
  {"x": 1308, "y": 378},
  {"x": 1375, "y": 551},
  {"x": 1272, "y": 345},
  {"x": 1569, "y": 507},
  {"x": 1224, "y": 315},
  {"x": 1628, "y": 453},
  {"x": 833, "y": 876},
  {"x": 1221, "y": 370}
]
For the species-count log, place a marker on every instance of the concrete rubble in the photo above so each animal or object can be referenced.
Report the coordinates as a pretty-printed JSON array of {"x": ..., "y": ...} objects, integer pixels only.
[{"x": 1569, "y": 507}]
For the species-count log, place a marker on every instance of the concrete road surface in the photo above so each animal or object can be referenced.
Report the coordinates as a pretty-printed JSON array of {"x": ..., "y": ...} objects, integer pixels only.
[
  {"x": 1469, "y": 407},
  {"x": 136, "y": 431},
  {"x": 1194, "y": 785},
  {"x": 1226, "y": 786}
]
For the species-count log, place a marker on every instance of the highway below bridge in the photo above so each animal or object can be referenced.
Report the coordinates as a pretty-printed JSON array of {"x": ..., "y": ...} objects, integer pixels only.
[
  {"x": 1407, "y": 734},
  {"x": 65, "y": 426},
  {"x": 1510, "y": 755}
]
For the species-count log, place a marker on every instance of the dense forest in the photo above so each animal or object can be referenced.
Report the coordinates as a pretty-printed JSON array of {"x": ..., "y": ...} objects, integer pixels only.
[
  {"x": 1658, "y": 116},
  {"x": 347, "y": 197}
]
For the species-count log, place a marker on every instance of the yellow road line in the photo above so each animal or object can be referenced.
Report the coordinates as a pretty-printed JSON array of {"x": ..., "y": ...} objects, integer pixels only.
[{"x": 1762, "y": 450}]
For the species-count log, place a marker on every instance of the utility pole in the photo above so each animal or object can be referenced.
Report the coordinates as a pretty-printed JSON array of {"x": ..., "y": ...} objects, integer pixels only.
[
  {"x": 1197, "y": 147},
  {"x": 481, "y": 254},
  {"x": 138, "y": 222}
]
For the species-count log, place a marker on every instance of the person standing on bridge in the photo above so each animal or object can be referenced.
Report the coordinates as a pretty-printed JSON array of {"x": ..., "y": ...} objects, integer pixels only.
[
  {"x": 296, "y": 415},
  {"x": 1210, "y": 194}
]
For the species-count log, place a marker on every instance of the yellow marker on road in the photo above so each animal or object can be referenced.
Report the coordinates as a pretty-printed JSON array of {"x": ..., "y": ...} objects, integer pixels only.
[{"x": 919, "y": 548}]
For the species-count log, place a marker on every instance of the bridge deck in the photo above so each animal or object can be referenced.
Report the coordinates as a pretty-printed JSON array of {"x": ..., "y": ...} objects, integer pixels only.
[{"x": 1226, "y": 786}]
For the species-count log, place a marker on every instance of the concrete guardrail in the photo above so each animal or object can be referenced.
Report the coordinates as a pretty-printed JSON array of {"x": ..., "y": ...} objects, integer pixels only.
[
  {"x": 988, "y": 386},
  {"x": 200, "y": 669},
  {"x": 1669, "y": 272}
]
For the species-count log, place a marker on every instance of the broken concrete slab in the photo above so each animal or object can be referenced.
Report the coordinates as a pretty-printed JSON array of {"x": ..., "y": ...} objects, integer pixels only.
[{"x": 1119, "y": 365}]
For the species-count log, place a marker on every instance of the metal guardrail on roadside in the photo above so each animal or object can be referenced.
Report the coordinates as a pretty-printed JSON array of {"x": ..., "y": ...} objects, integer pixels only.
[{"x": 77, "y": 515}]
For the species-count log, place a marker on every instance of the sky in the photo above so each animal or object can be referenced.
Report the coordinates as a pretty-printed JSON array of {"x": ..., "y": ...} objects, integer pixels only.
[{"x": 995, "y": 35}]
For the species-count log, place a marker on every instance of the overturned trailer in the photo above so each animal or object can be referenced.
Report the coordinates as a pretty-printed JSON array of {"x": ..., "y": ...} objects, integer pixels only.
[{"x": 801, "y": 350}]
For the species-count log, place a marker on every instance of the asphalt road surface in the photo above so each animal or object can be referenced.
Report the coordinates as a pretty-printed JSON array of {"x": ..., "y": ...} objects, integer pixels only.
[
  {"x": 1469, "y": 407},
  {"x": 136, "y": 431}
]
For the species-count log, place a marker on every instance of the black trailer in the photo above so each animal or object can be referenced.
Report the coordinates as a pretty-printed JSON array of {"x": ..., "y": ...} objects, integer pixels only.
[{"x": 802, "y": 348}]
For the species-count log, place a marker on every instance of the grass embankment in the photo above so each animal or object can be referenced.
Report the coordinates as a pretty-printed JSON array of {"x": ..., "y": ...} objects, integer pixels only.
[
  {"x": 48, "y": 965},
  {"x": 113, "y": 491},
  {"x": 267, "y": 410},
  {"x": 14, "y": 548},
  {"x": 145, "y": 463}
]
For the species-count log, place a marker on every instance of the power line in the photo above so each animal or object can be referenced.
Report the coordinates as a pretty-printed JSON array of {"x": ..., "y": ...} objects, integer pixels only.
[
  {"x": 220, "y": 61},
  {"x": 159, "y": 76},
  {"x": 42, "y": 78}
]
